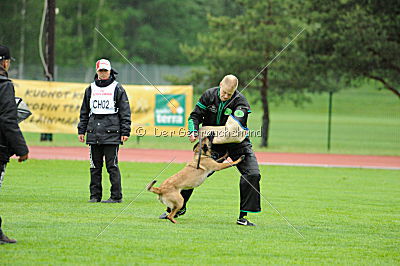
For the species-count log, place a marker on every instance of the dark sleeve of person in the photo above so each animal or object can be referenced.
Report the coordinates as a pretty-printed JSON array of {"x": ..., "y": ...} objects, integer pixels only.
[
  {"x": 124, "y": 111},
  {"x": 196, "y": 117},
  {"x": 241, "y": 111},
  {"x": 84, "y": 113},
  {"x": 8, "y": 121}
]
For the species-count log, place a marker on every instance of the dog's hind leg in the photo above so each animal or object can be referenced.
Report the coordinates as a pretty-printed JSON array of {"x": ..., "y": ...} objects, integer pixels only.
[
  {"x": 172, "y": 214},
  {"x": 177, "y": 204}
]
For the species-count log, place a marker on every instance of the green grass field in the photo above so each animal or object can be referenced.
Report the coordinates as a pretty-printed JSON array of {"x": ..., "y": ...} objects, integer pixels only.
[
  {"x": 365, "y": 121},
  {"x": 347, "y": 216}
]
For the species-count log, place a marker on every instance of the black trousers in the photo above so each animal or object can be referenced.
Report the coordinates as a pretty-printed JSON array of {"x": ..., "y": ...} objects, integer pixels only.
[
  {"x": 110, "y": 153},
  {"x": 250, "y": 175},
  {"x": 2, "y": 173}
]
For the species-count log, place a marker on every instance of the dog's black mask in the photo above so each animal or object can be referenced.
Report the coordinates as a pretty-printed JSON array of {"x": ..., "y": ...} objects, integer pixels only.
[
  {"x": 211, "y": 137},
  {"x": 204, "y": 148}
]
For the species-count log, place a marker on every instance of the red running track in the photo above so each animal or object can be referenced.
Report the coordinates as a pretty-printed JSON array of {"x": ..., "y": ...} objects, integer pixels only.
[{"x": 266, "y": 158}]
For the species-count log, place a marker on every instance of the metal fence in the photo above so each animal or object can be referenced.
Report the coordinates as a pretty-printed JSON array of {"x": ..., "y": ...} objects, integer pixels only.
[{"x": 126, "y": 73}]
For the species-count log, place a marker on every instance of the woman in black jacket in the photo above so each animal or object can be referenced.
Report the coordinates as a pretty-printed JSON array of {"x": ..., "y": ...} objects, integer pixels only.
[{"x": 105, "y": 119}]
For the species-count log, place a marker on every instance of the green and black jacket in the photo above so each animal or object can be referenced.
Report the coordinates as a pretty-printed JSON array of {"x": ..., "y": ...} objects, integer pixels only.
[{"x": 211, "y": 111}]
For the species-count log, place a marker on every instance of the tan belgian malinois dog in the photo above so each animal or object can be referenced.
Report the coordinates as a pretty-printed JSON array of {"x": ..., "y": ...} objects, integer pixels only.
[{"x": 169, "y": 193}]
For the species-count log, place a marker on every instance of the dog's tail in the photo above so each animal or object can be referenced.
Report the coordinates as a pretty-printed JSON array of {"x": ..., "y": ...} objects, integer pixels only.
[{"x": 153, "y": 189}]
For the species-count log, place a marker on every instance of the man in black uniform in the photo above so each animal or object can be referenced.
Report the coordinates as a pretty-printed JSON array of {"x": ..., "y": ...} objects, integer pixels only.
[
  {"x": 213, "y": 109},
  {"x": 11, "y": 139},
  {"x": 106, "y": 119}
]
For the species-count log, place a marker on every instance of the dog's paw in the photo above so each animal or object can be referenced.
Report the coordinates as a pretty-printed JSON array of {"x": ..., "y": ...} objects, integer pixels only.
[{"x": 241, "y": 158}]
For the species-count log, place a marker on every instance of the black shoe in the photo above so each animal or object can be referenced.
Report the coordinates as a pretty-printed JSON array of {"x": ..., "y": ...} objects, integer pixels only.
[
  {"x": 244, "y": 221},
  {"x": 5, "y": 240},
  {"x": 179, "y": 213},
  {"x": 93, "y": 200},
  {"x": 110, "y": 200}
]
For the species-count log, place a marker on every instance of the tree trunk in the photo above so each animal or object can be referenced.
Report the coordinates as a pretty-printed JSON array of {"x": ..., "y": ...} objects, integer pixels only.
[
  {"x": 22, "y": 42},
  {"x": 95, "y": 33},
  {"x": 264, "y": 99},
  {"x": 80, "y": 30},
  {"x": 50, "y": 38}
]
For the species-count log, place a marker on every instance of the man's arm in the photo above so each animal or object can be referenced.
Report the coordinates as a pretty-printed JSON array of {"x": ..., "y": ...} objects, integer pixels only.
[
  {"x": 241, "y": 114},
  {"x": 241, "y": 110},
  {"x": 9, "y": 124}
]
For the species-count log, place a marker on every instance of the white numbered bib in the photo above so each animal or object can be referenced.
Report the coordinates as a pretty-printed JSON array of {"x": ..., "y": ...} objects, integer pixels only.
[{"x": 102, "y": 99}]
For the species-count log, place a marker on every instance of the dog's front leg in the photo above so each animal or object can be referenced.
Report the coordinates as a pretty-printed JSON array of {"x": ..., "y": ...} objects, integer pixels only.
[
  {"x": 241, "y": 158},
  {"x": 221, "y": 166},
  {"x": 222, "y": 158}
]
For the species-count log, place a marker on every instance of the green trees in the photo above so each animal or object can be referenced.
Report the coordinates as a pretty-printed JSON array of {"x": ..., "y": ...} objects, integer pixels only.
[
  {"x": 355, "y": 39},
  {"x": 344, "y": 40},
  {"x": 257, "y": 46},
  {"x": 77, "y": 41},
  {"x": 145, "y": 31},
  {"x": 19, "y": 29},
  {"x": 156, "y": 28}
]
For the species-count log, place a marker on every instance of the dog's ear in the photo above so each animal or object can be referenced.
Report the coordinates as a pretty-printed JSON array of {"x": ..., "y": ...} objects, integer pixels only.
[{"x": 195, "y": 146}]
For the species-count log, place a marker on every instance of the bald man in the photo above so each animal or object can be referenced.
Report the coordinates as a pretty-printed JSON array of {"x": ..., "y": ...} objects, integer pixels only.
[{"x": 213, "y": 109}]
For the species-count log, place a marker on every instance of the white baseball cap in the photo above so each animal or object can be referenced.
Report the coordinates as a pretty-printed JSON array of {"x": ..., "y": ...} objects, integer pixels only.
[{"x": 103, "y": 64}]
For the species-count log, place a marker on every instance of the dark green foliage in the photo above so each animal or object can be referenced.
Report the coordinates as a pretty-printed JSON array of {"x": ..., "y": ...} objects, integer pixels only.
[
  {"x": 248, "y": 41},
  {"x": 144, "y": 31},
  {"x": 355, "y": 39},
  {"x": 12, "y": 24},
  {"x": 259, "y": 46}
]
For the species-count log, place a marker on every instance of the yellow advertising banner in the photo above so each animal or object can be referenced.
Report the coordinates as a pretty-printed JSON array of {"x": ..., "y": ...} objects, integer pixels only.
[{"x": 156, "y": 110}]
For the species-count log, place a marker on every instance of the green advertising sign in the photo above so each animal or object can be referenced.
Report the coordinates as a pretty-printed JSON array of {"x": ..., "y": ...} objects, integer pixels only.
[{"x": 170, "y": 110}]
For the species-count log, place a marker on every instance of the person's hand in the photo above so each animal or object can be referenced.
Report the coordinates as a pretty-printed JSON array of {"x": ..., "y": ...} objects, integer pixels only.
[
  {"x": 23, "y": 158},
  {"x": 124, "y": 138},
  {"x": 192, "y": 137},
  {"x": 81, "y": 138}
]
